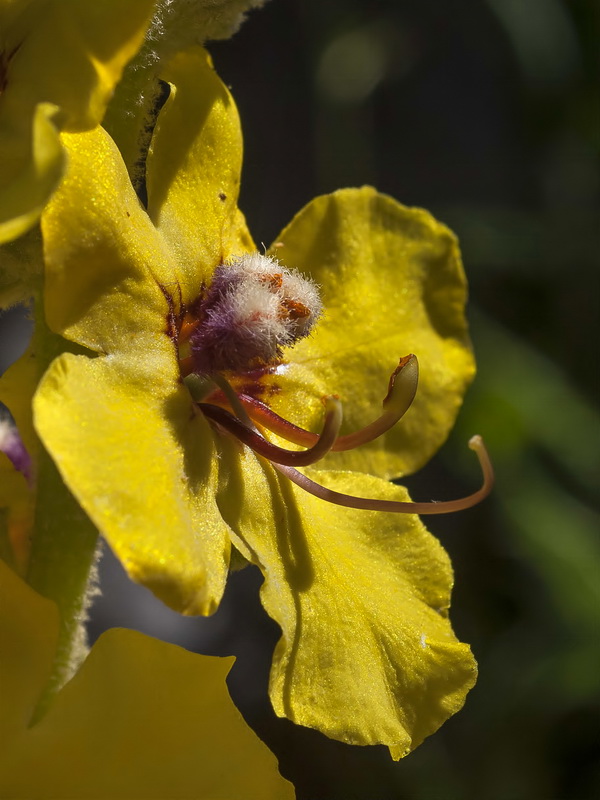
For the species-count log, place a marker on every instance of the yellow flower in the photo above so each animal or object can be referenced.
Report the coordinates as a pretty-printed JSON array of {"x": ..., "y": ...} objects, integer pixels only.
[
  {"x": 367, "y": 654},
  {"x": 141, "y": 719},
  {"x": 59, "y": 63}
]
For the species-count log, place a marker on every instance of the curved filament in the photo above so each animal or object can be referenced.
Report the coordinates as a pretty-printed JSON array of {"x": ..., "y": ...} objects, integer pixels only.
[
  {"x": 186, "y": 366},
  {"x": 401, "y": 392},
  {"x": 278, "y": 455},
  {"x": 398, "y": 507}
]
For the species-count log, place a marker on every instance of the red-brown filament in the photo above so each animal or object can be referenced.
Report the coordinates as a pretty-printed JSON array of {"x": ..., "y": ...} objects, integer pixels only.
[
  {"x": 279, "y": 455},
  {"x": 247, "y": 411},
  {"x": 398, "y": 507},
  {"x": 401, "y": 392}
]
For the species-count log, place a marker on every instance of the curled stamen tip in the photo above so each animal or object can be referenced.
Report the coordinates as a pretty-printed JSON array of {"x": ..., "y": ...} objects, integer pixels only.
[
  {"x": 396, "y": 506},
  {"x": 403, "y": 382},
  {"x": 333, "y": 411},
  {"x": 476, "y": 443}
]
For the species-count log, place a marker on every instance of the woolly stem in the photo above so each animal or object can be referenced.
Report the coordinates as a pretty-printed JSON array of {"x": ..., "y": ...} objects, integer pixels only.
[
  {"x": 63, "y": 555},
  {"x": 63, "y": 542}
]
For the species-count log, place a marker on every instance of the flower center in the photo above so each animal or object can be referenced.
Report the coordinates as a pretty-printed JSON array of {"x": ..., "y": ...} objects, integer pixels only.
[{"x": 253, "y": 308}]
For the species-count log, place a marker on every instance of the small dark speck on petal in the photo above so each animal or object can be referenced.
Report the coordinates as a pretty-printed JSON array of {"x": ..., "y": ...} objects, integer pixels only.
[{"x": 222, "y": 196}]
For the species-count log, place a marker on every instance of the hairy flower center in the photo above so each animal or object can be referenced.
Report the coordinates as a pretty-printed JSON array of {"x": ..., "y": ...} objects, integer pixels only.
[{"x": 253, "y": 308}]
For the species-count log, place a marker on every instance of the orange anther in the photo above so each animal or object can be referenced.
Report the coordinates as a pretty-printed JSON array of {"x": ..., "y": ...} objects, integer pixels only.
[
  {"x": 188, "y": 326},
  {"x": 293, "y": 309},
  {"x": 274, "y": 281}
]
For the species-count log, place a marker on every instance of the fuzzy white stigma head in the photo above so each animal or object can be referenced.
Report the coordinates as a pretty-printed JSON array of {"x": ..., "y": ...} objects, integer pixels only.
[{"x": 252, "y": 309}]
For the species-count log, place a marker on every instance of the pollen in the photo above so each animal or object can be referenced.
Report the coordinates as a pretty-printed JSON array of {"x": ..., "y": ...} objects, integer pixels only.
[
  {"x": 253, "y": 308},
  {"x": 293, "y": 309},
  {"x": 272, "y": 281}
]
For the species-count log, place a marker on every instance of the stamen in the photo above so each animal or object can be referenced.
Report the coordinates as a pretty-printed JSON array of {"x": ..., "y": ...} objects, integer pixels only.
[
  {"x": 233, "y": 399},
  {"x": 398, "y": 507},
  {"x": 262, "y": 414},
  {"x": 250, "y": 436},
  {"x": 401, "y": 392},
  {"x": 187, "y": 365}
]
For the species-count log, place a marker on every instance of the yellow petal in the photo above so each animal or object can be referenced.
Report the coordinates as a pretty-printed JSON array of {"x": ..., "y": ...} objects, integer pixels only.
[
  {"x": 28, "y": 639},
  {"x": 124, "y": 435},
  {"x": 105, "y": 262},
  {"x": 59, "y": 63},
  {"x": 193, "y": 171},
  {"x": 70, "y": 53},
  {"x": 392, "y": 283},
  {"x": 31, "y": 165},
  {"x": 141, "y": 719},
  {"x": 367, "y": 654}
]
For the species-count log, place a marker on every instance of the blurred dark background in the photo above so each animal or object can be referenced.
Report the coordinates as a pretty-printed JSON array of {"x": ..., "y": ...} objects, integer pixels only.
[{"x": 486, "y": 113}]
